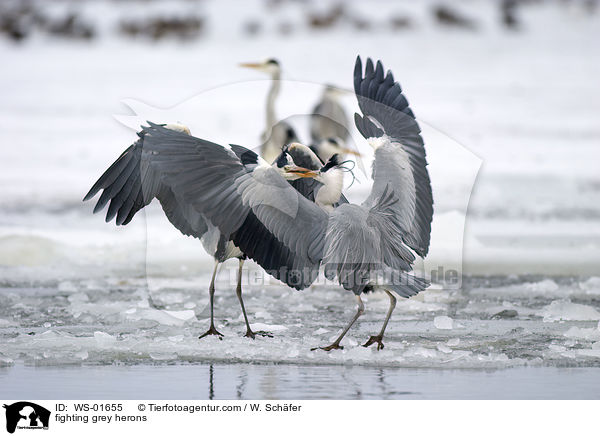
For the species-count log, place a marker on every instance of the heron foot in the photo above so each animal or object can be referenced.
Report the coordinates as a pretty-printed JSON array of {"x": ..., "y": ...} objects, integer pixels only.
[
  {"x": 333, "y": 346},
  {"x": 375, "y": 339},
  {"x": 212, "y": 331},
  {"x": 251, "y": 334}
]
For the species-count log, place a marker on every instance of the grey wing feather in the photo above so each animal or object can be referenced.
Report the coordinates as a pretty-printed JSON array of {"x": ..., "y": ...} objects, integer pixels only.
[
  {"x": 307, "y": 187},
  {"x": 129, "y": 185},
  {"x": 352, "y": 248},
  {"x": 383, "y": 216},
  {"x": 385, "y": 111},
  {"x": 362, "y": 242},
  {"x": 214, "y": 182}
]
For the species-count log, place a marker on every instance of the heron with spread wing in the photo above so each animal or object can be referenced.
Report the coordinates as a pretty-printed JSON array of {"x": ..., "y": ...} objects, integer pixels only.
[
  {"x": 365, "y": 247},
  {"x": 132, "y": 182}
]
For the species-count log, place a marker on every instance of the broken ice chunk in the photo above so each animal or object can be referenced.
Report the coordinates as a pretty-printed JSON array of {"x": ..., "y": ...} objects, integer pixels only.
[
  {"x": 566, "y": 311},
  {"x": 267, "y": 327},
  {"x": 104, "y": 339}
]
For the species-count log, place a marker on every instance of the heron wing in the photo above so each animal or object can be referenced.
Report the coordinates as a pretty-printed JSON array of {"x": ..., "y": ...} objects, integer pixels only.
[
  {"x": 362, "y": 242},
  {"x": 387, "y": 115},
  {"x": 130, "y": 184},
  {"x": 251, "y": 204}
]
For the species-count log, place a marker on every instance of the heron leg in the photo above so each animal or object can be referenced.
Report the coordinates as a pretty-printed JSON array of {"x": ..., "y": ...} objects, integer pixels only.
[
  {"x": 336, "y": 344},
  {"x": 379, "y": 338},
  {"x": 211, "y": 292},
  {"x": 238, "y": 291}
]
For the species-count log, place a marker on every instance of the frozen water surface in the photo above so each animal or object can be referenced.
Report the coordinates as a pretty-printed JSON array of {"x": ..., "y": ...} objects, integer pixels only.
[
  {"x": 115, "y": 320},
  {"x": 76, "y": 293}
]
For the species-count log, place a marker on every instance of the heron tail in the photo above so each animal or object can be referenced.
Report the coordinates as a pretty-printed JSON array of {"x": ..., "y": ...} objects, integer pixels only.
[{"x": 407, "y": 285}]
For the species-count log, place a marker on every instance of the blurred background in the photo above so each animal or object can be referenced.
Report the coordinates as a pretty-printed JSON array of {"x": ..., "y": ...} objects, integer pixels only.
[{"x": 505, "y": 91}]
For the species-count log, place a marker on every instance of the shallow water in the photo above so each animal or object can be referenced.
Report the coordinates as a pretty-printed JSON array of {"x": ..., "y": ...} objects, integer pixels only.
[{"x": 283, "y": 382}]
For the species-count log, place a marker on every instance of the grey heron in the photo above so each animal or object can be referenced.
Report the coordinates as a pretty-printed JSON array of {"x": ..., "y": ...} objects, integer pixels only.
[
  {"x": 277, "y": 133},
  {"x": 329, "y": 121},
  {"x": 131, "y": 183},
  {"x": 330, "y": 126},
  {"x": 329, "y": 118},
  {"x": 366, "y": 246}
]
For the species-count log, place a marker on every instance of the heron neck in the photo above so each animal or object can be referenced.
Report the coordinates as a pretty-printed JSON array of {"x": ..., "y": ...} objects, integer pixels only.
[
  {"x": 331, "y": 191},
  {"x": 330, "y": 95},
  {"x": 272, "y": 96}
]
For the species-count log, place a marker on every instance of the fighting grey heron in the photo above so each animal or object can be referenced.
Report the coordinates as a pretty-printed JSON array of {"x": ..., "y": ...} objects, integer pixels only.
[
  {"x": 366, "y": 247},
  {"x": 131, "y": 183},
  {"x": 277, "y": 133}
]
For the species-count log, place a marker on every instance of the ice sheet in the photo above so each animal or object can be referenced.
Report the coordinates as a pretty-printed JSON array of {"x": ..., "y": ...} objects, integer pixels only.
[{"x": 110, "y": 320}]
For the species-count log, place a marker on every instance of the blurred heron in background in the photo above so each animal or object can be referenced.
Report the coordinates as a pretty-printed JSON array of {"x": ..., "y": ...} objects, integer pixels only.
[
  {"x": 277, "y": 133},
  {"x": 330, "y": 126}
]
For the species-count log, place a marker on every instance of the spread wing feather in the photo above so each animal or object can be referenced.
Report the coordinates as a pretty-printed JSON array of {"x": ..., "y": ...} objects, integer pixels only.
[
  {"x": 387, "y": 115},
  {"x": 250, "y": 204}
]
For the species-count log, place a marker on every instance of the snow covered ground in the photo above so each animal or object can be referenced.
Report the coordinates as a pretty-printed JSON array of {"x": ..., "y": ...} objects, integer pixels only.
[{"x": 524, "y": 105}]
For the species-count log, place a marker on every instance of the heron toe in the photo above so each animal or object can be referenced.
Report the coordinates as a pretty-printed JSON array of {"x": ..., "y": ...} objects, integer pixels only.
[
  {"x": 212, "y": 331},
  {"x": 251, "y": 334},
  {"x": 375, "y": 339},
  {"x": 329, "y": 347},
  {"x": 264, "y": 334}
]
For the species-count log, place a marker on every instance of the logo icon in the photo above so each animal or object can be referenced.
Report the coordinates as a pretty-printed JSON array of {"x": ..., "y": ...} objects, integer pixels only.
[{"x": 26, "y": 415}]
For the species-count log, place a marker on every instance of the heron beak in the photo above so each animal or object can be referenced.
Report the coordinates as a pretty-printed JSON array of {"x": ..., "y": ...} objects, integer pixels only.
[
  {"x": 300, "y": 171},
  {"x": 352, "y": 152},
  {"x": 253, "y": 65}
]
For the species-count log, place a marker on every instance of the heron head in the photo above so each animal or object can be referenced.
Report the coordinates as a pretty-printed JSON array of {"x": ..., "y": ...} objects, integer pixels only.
[
  {"x": 335, "y": 168},
  {"x": 289, "y": 170},
  {"x": 333, "y": 162},
  {"x": 270, "y": 66}
]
